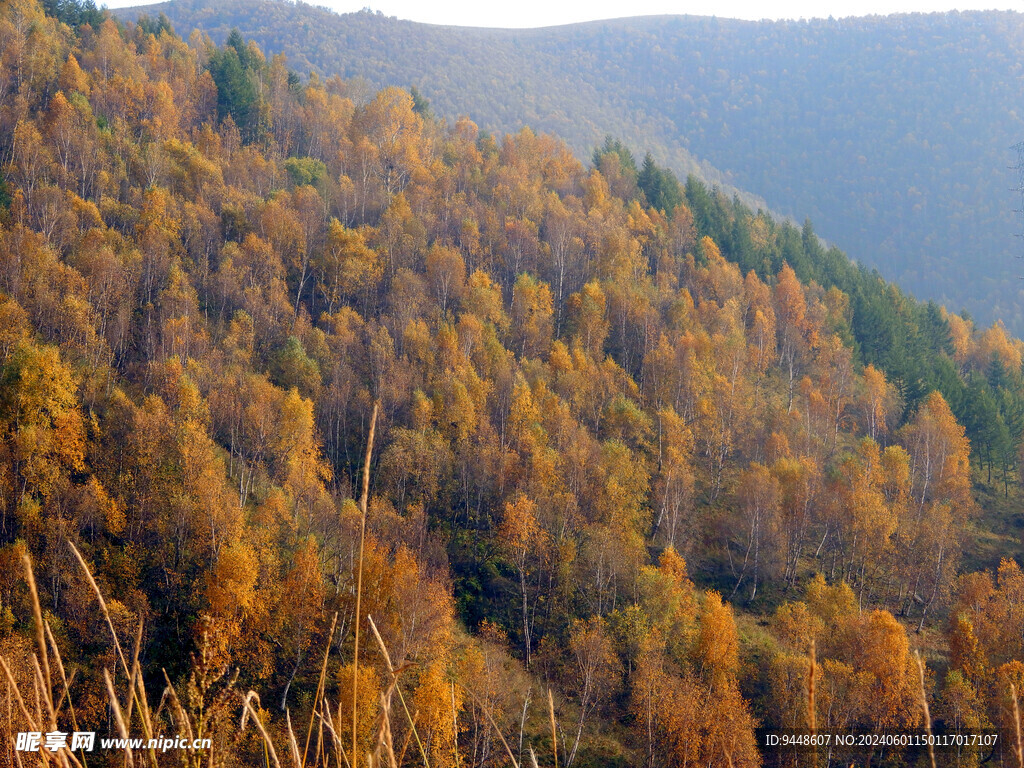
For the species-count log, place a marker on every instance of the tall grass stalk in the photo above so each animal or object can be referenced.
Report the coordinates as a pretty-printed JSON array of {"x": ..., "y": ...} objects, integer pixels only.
[
  {"x": 136, "y": 686},
  {"x": 494, "y": 725},
  {"x": 43, "y": 657},
  {"x": 66, "y": 682},
  {"x": 812, "y": 715},
  {"x": 924, "y": 705},
  {"x": 394, "y": 686},
  {"x": 319, "y": 690},
  {"x": 455, "y": 728},
  {"x": 363, "y": 504},
  {"x": 247, "y": 711},
  {"x": 554, "y": 731},
  {"x": 408, "y": 737},
  {"x": 1016, "y": 720}
]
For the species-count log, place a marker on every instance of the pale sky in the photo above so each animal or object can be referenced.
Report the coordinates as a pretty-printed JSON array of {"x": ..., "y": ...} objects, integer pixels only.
[{"x": 540, "y": 13}]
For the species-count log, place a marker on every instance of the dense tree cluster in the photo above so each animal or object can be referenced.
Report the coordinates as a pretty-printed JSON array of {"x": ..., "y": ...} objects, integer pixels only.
[
  {"x": 893, "y": 133},
  {"x": 611, "y": 408}
]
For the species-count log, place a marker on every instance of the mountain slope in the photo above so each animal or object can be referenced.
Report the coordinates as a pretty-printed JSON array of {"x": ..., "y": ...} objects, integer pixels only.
[
  {"x": 891, "y": 133},
  {"x": 641, "y": 462}
]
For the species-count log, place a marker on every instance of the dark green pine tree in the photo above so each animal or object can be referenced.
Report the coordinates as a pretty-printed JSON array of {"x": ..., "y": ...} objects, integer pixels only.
[
  {"x": 984, "y": 424},
  {"x": 237, "y": 93},
  {"x": 75, "y": 13},
  {"x": 659, "y": 185},
  {"x": 997, "y": 376},
  {"x": 1011, "y": 406},
  {"x": 740, "y": 247},
  {"x": 615, "y": 147},
  {"x": 420, "y": 104},
  {"x": 156, "y": 28},
  {"x": 236, "y": 41}
]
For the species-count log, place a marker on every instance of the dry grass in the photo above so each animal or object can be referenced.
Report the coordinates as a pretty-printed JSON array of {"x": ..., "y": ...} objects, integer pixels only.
[
  {"x": 924, "y": 705},
  {"x": 129, "y": 706},
  {"x": 43, "y": 707},
  {"x": 1016, "y": 721},
  {"x": 554, "y": 729},
  {"x": 363, "y": 506}
]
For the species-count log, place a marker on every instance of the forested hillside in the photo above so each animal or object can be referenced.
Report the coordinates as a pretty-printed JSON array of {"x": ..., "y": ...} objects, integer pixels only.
[
  {"x": 649, "y": 470},
  {"x": 892, "y": 134}
]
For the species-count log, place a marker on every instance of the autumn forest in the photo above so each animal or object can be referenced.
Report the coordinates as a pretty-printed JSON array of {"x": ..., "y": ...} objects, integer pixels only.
[{"x": 649, "y": 472}]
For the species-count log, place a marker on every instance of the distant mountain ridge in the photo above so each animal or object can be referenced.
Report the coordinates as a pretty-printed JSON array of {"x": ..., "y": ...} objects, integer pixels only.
[{"x": 892, "y": 134}]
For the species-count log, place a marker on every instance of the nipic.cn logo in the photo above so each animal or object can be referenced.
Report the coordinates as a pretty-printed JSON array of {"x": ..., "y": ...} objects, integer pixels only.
[
  {"x": 36, "y": 741},
  {"x": 33, "y": 741}
]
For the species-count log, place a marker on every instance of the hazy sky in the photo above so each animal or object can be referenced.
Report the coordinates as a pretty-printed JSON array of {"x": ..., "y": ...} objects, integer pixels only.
[{"x": 539, "y": 13}]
